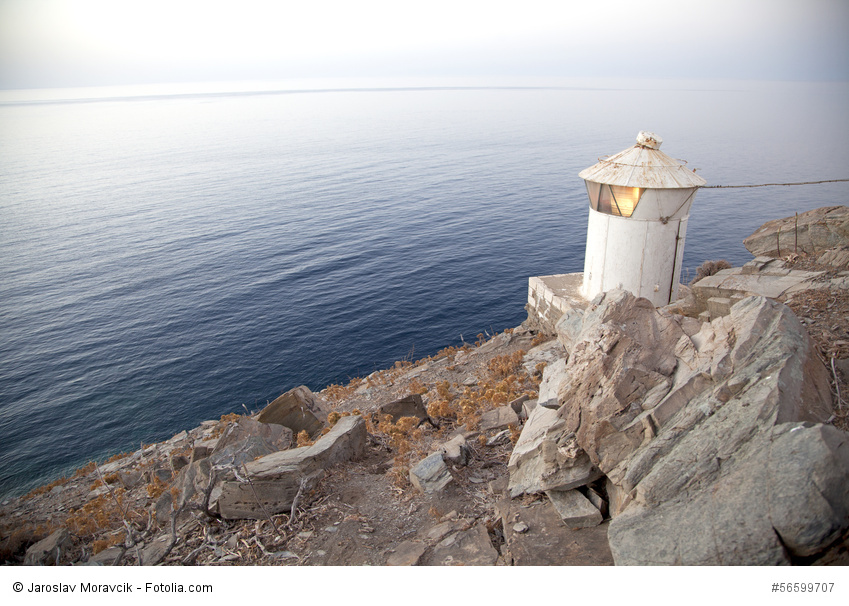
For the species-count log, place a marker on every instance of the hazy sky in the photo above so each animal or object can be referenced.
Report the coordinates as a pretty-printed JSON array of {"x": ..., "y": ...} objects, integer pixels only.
[{"x": 47, "y": 43}]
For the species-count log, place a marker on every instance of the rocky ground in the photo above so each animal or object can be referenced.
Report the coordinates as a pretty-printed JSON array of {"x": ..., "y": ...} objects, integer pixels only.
[
  {"x": 415, "y": 467},
  {"x": 361, "y": 512}
]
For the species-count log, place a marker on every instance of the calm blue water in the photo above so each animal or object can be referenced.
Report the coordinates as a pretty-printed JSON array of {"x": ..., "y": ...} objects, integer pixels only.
[{"x": 166, "y": 260}]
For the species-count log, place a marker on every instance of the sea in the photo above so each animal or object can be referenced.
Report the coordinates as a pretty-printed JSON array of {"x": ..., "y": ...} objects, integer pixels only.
[{"x": 174, "y": 253}]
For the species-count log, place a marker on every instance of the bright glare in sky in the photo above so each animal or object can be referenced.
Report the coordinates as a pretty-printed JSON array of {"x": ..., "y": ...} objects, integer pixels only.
[{"x": 69, "y": 42}]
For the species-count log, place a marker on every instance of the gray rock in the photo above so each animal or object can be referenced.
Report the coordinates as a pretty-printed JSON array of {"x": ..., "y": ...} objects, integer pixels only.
[
  {"x": 574, "y": 508},
  {"x": 106, "y": 557},
  {"x": 441, "y": 530},
  {"x": 155, "y": 551},
  {"x": 466, "y": 548},
  {"x": 408, "y": 553},
  {"x": 536, "y": 536},
  {"x": 688, "y": 426},
  {"x": 431, "y": 474},
  {"x": 553, "y": 377},
  {"x": 299, "y": 409},
  {"x": 49, "y": 551},
  {"x": 547, "y": 457},
  {"x": 275, "y": 479},
  {"x": 408, "y": 406},
  {"x": 836, "y": 257},
  {"x": 546, "y": 353},
  {"x": 203, "y": 449},
  {"x": 597, "y": 500},
  {"x": 811, "y": 232},
  {"x": 518, "y": 405},
  {"x": 498, "y": 418},
  {"x": 455, "y": 451},
  {"x": 276, "y": 436}
]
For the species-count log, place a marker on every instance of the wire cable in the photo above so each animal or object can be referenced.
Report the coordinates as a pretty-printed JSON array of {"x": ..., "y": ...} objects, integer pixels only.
[{"x": 772, "y": 184}]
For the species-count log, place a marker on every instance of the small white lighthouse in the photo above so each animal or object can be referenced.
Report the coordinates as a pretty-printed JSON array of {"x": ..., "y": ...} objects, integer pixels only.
[{"x": 640, "y": 201}]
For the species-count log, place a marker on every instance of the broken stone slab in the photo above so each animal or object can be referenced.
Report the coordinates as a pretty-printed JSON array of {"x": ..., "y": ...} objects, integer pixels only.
[
  {"x": 546, "y": 457},
  {"x": 574, "y": 509},
  {"x": 536, "y": 536},
  {"x": 299, "y": 409},
  {"x": 203, "y": 449},
  {"x": 275, "y": 479},
  {"x": 553, "y": 377},
  {"x": 455, "y": 451},
  {"x": 106, "y": 557},
  {"x": 154, "y": 552},
  {"x": 408, "y": 406},
  {"x": 237, "y": 453},
  {"x": 518, "y": 405},
  {"x": 499, "y": 418},
  {"x": 443, "y": 529},
  {"x": 177, "y": 438},
  {"x": 408, "y": 553},
  {"x": 618, "y": 499},
  {"x": 49, "y": 551},
  {"x": 431, "y": 474},
  {"x": 470, "y": 547},
  {"x": 277, "y": 436},
  {"x": 546, "y": 353}
]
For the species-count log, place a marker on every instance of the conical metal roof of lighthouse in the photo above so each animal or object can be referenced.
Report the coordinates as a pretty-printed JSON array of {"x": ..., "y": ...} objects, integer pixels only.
[{"x": 643, "y": 165}]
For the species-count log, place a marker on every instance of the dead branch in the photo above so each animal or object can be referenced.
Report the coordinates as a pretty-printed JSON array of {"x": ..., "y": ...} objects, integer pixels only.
[
  {"x": 836, "y": 385},
  {"x": 293, "y": 516}
]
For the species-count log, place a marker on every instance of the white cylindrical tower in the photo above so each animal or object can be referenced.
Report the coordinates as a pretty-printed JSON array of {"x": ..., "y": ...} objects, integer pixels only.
[{"x": 640, "y": 201}]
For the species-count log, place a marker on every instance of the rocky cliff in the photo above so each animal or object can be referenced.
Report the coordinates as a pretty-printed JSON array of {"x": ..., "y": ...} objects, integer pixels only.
[{"x": 706, "y": 432}]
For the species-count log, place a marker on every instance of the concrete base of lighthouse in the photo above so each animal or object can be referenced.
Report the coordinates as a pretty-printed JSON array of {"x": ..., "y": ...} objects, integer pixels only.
[{"x": 549, "y": 297}]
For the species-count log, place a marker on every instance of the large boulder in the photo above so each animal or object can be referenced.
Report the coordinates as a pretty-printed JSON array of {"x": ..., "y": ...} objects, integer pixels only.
[
  {"x": 49, "y": 551},
  {"x": 270, "y": 484},
  {"x": 411, "y": 405},
  {"x": 694, "y": 430},
  {"x": 299, "y": 409},
  {"x": 619, "y": 369},
  {"x": 810, "y": 232},
  {"x": 788, "y": 498},
  {"x": 242, "y": 441},
  {"x": 547, "y": 456}
]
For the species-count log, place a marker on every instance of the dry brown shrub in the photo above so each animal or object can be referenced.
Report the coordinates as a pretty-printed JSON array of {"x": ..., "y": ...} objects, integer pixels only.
[
  {"x": 539, "y": 339},
  {"x": 709, "y": 268},
  {"x": 46, "y": 488},
  {"x": 85, "y": 470},
  {"x": 416, "y": 386},
  {"x": 507, "y": 364},
  {"x": 303, "y": 439},
  {"x": 103, "y": 513}
]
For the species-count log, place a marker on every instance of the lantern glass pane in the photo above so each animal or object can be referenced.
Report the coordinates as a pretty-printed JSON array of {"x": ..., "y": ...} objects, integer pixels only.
[
  {"x": 605, "y": 201},
  {"x": 625, "y": 200},
  {"x": 592, "y": 191}
]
